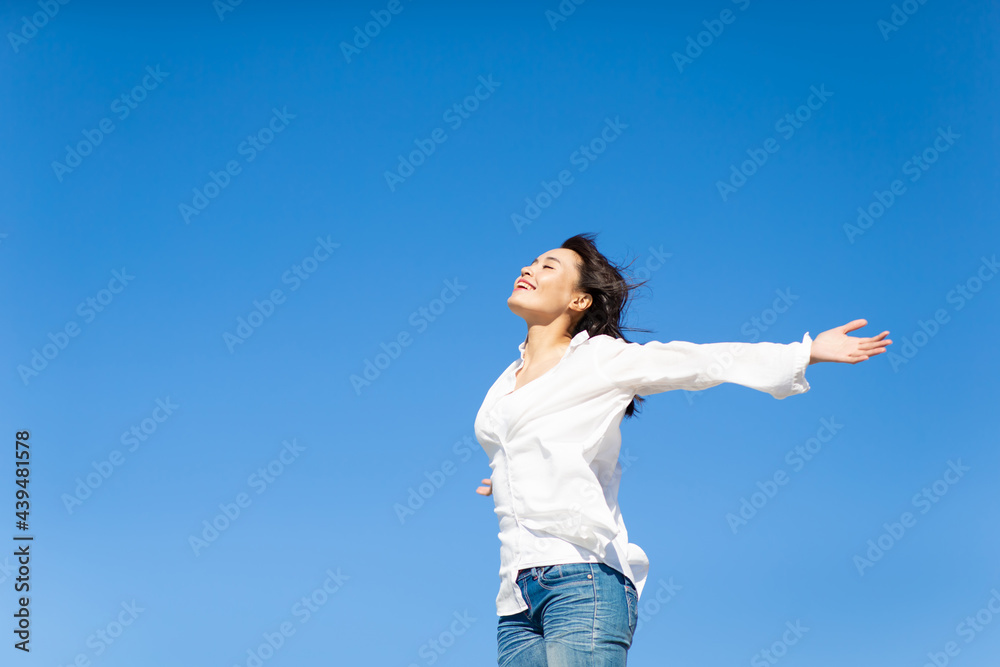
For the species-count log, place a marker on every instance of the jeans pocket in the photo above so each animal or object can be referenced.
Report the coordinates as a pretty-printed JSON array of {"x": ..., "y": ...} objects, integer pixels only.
[{"x": 568, "y": 574}]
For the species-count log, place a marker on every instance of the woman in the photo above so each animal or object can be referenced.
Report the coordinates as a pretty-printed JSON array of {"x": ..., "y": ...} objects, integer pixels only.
[{"x": 570, "y": 579}]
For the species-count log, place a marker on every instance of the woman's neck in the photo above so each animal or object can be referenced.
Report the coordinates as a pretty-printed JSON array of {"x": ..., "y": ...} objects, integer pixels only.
[{"x": 545, "y": 341}]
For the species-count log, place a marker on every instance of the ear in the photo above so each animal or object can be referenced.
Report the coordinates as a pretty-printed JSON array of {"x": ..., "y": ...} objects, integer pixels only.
[{"x": 581, "y": 302}]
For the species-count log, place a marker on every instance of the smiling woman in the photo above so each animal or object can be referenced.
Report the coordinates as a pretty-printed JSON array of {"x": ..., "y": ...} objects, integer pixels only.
[{"x": 570, "y": 580}]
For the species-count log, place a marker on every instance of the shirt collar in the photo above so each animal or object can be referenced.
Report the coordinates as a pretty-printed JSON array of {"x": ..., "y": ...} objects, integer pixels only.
[{"x": 577, "y": 339}]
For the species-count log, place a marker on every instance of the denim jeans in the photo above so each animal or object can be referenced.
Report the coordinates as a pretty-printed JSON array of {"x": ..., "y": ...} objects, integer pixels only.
[{"x": 579, "y": 615}]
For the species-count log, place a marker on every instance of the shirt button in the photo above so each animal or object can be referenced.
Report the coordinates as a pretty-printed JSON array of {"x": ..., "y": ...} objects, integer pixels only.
[{"x": 590, "y": 576}]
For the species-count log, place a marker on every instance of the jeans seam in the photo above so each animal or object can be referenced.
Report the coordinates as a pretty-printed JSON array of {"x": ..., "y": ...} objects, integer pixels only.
[
  {"x": 632, "y": 608},
  {"x": 527, "y": 598},
  {"x": 558, "y": 568},
  {"x": 593, "y": 627}
]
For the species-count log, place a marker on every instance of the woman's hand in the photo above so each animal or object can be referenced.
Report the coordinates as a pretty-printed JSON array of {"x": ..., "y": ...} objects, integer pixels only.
[
  {"x": 836, "y": 345},
  {"x": 486, "y": 490}
]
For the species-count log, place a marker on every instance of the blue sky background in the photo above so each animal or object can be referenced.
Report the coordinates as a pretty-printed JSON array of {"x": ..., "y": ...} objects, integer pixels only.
[{"x": 654, "y": 189}]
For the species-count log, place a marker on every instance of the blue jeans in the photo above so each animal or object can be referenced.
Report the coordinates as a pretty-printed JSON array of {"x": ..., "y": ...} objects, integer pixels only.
[{"x": 579, "y": 615}]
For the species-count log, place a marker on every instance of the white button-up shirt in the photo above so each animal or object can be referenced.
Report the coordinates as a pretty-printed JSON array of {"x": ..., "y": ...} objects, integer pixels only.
[{"x": 553, "y": 444}]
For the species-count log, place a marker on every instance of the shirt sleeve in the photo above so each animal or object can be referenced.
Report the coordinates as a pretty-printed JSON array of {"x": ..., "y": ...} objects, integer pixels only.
[{"x": 654, "y": 367}]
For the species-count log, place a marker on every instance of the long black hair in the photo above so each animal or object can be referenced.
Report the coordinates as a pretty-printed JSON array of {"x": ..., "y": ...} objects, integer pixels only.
[{"x": 603, "y": 281}]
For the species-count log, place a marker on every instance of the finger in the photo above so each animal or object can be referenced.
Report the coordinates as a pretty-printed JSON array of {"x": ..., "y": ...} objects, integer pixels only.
[
  {"x": 877, "y": 340},
  {"x": 853, "y": 324}
]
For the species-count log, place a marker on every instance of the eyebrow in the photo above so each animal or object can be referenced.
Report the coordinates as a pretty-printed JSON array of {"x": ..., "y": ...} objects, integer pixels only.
[{"x": 552, "y": 258}]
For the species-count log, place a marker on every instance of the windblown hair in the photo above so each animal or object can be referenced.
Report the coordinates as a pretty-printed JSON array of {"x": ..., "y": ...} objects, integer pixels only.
[{"x": 603, "y": 281}]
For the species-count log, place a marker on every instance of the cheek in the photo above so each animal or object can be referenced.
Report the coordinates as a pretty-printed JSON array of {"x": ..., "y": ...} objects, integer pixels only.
[{"x": 554, "y": 295}]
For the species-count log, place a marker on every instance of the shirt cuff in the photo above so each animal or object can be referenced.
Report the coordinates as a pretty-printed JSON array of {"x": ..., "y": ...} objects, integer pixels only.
[{"x": 799, "y": 383}]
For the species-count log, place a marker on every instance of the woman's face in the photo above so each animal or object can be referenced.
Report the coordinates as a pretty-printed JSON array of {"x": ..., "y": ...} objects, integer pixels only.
[{"x": 549, "y": 291}]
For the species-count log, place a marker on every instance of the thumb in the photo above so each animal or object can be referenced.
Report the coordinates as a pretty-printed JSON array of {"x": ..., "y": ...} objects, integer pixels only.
[{"x": 852, "y": 325}]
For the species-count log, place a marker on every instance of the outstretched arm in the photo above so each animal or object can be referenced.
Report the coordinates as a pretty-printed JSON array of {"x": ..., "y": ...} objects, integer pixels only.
[
  {"x": 777, "y": 369},
  {"x": 836, "y": 345},
  {"x": 831, "y": 345},
  {"x": 655, "y": 367}
]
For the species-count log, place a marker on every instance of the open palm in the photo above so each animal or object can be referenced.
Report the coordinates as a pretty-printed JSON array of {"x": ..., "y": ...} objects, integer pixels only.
[{"x": 835, "y": 345}]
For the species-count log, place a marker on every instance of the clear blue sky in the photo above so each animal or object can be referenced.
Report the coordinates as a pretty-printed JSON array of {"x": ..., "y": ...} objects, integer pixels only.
[{"x": 177, "y": 165}]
